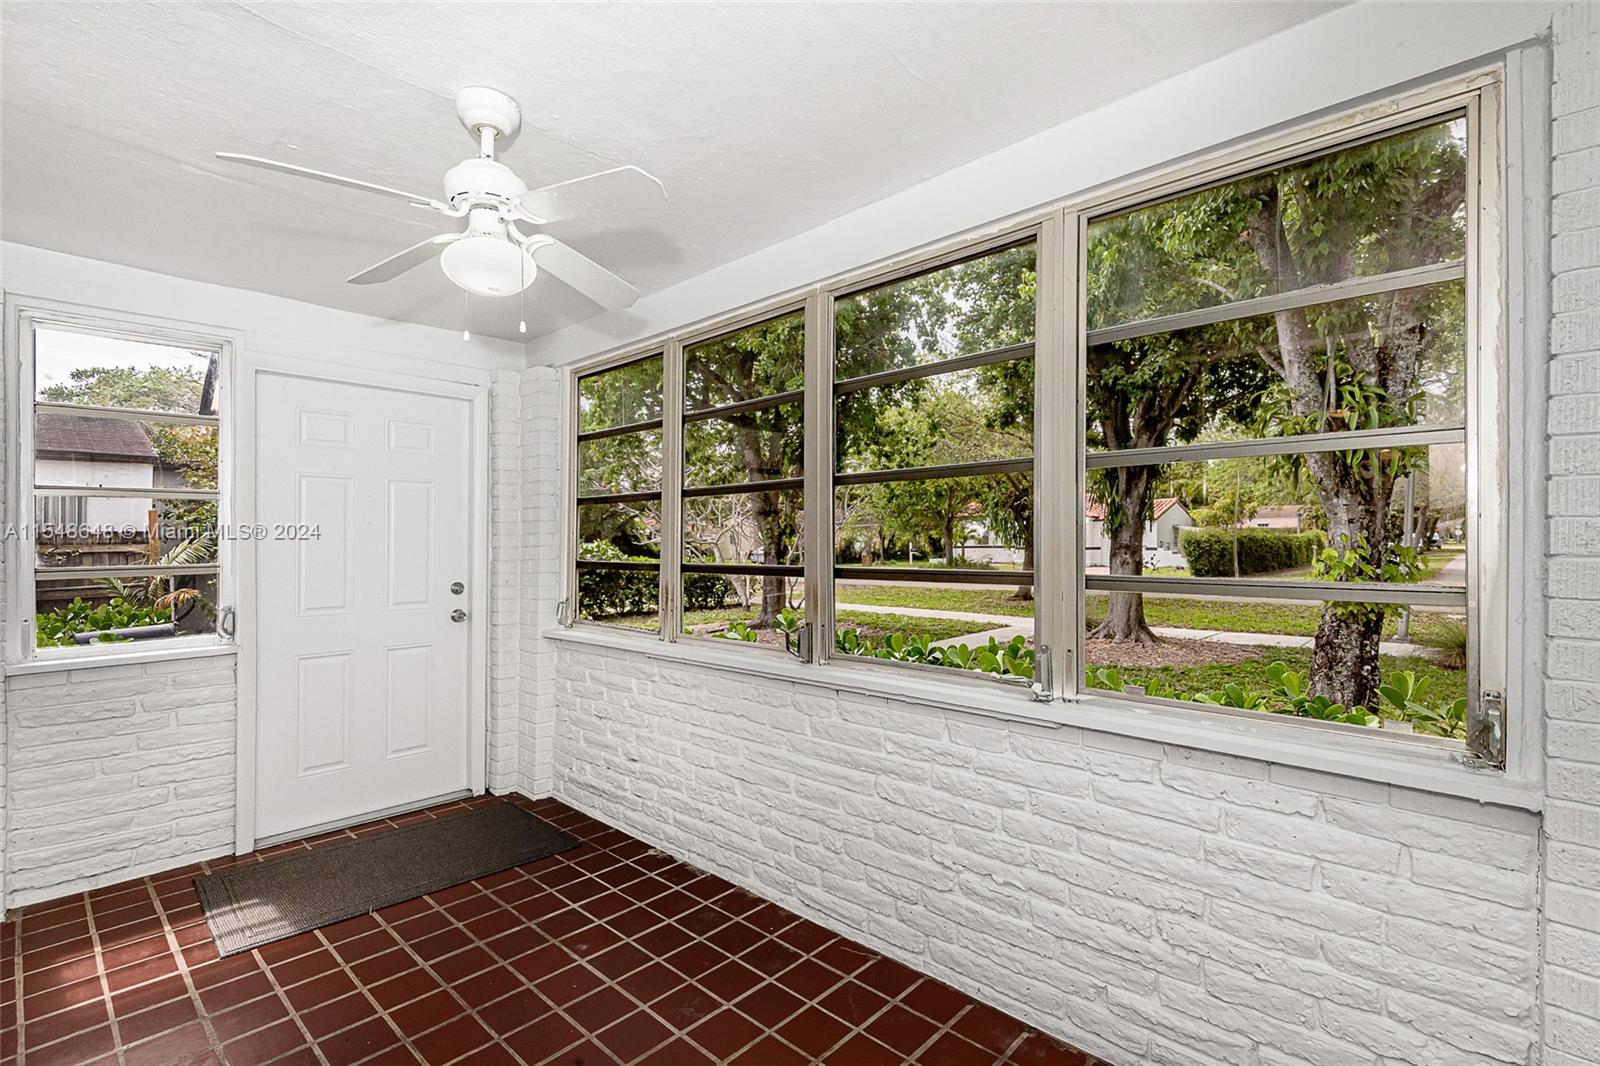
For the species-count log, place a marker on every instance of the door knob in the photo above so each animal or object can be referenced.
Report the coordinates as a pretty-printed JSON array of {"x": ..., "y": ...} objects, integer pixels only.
[
  {"x": 458, "y": 615},
  {"x": 457, "y": 588}
]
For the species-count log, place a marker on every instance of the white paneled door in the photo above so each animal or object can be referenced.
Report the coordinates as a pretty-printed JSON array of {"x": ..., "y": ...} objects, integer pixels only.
[{"x": 363, "y": 495}]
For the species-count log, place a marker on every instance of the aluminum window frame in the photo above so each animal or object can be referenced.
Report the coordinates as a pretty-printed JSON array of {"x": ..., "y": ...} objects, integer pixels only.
[
  {"x": 25, "y": 317},
  {"x": 1059, "y": 457},
  {"x": 1478, "y": 98}
]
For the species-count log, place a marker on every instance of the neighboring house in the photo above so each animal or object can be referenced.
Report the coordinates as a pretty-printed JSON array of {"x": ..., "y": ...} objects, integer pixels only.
[
  {"x": 1284, "y": 517},
  {"x": 95, "y": 452},
  {"x": 1168, "y": 516}
]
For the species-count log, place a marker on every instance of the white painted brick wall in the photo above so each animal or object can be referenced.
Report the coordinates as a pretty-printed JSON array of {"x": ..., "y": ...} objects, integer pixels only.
[
  {"x": 117, "y": 771},
  {"x": 541, "y": 573},
  {"x": 506, "y": 478},
  {"x": 1150, "y": 903},
  {"x": 1571, "y": 892}
]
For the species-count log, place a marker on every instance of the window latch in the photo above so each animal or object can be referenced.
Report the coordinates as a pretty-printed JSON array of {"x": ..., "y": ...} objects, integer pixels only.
[
  {"x": 1043, "y": 687},
  {"x": 1486, "y": 732},
  {"x": 798, "y": 643},
  {"x": 564, "y": 614}
]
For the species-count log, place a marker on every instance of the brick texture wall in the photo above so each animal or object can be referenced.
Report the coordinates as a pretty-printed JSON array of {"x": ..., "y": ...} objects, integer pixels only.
[
  {"x": 1572, "y": 815},
  {"x": 505, "y": 590},
  {"x": 541, "y": 573},
  {"x": 116, "y": 771}
]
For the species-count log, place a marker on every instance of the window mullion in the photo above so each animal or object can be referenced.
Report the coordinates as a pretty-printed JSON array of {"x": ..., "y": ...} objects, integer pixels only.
[
  {"x": 1056, "y": 554},
  {"x": 671, "y": 593},
  {"x": 819, "y": 465}
]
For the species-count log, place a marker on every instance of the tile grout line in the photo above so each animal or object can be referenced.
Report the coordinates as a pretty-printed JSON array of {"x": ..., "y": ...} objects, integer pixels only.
[
  {"x": 105, "y": 981},
  {"x": 183, "y": 971}
]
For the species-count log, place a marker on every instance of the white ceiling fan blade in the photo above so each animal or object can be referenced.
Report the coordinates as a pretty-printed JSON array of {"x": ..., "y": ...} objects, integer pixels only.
[
  {"x": 401, "y": 262},
  {"x": 333, "y": 179},
  {"x": 609, "y": 192},
  {"x": 582, "y": 273}
]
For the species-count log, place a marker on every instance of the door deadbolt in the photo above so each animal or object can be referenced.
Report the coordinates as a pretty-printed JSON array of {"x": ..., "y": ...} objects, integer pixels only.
[
  {"x": 457, "y": 588},
  {"x": 458, "y": 615}
]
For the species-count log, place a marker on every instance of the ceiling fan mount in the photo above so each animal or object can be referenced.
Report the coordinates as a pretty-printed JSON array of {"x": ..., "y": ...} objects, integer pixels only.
[{"x": 491, "y": 256}]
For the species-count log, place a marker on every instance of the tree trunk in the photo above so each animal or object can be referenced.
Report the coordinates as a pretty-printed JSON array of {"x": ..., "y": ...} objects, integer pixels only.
[
  {"x": 1344, "y": 659},
  {"x": 1024, "y": 593},
  {"x": 769, "y": 516},
  {"x": 1124, "y": 622}
]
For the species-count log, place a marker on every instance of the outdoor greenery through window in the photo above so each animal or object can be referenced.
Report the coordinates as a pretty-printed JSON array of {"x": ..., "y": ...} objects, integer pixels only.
[
  {"x": 1283, "y": 484},
  {"x": 125, "y": 490},
  {"x": 619, "y": 494},
  {"x": 743, "y": 499},
  {"x": 1275, "y": 513},
  {"x": 933, "y": 480}
]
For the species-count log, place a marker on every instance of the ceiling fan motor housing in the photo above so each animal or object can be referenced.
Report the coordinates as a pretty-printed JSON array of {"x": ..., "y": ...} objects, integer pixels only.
[{"x": 482, "y": 178}]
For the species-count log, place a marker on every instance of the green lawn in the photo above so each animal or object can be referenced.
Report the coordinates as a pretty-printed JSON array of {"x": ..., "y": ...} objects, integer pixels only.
[
  {"x": 1443, "y": 683},
  {"x": 979, "y": 601}
]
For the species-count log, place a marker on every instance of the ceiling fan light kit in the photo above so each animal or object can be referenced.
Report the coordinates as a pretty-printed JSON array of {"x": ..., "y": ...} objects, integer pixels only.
[{"x": 491, "y": 256}]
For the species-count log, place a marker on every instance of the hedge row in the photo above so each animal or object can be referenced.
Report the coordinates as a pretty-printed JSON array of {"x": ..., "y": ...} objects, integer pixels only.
[
  {"x": 1209, "y": 552},
  {"x": 612, "y": 593}
]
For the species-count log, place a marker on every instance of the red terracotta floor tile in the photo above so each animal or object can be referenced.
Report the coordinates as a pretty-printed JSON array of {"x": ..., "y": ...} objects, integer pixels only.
[{"x": 609, "y": 953}]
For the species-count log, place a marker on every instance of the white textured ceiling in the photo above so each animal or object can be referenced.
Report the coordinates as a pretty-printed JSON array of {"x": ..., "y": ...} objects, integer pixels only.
[{"x": 763, "y": 120}]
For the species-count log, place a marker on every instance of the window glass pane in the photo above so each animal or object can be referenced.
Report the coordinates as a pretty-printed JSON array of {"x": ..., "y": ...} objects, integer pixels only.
[
  {"x": 744, "y": 609},
  {"x": 754, "y": 362},
  {"x": 620, "y": 533},
  {"x": 1397, "y": 360},
  {"x": 987, "y": 521},
  {"x": 119, "y": 453},
  {"x": 1255, "y": 654},
  {"x": 102, "y": 531},
  {"x": 619, "y": 397},
  {"x": 620, "y": 596},
  {"x": 753, "y": 446},
  {"x": 74, "y": 612},
  {"x": 745, "y": 527},
  {"x": 962, "y": 417},
  {"x": 81, "y": 368},
  {"x": 1387, "y": 205},
  {"x": 630, "y": 462},
  {"x": 1263, "y": 517},
  {"x": 961, "y": 309}
]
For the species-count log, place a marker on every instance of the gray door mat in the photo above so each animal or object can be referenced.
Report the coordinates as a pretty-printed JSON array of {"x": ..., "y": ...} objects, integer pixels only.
[{"x": 249, "y": 906}]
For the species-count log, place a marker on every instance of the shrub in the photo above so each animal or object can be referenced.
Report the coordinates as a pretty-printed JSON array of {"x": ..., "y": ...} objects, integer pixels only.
[
  {"x": 58, "y": 627},
  {"x": 610, "y": 593},
  {"x": 1209, "y": 552}
]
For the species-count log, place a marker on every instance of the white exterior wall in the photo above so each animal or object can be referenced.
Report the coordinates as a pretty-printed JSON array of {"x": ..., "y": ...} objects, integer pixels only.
[
  {"x": 542, "y": 530},
  {"x": 122, "y": 770},
  {"x": 1571, "y": 655},
  {"x": 103, "y": 513}
]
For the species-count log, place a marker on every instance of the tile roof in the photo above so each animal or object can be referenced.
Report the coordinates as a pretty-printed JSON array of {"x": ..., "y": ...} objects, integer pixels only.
[{"x": 1096, "y": 510}]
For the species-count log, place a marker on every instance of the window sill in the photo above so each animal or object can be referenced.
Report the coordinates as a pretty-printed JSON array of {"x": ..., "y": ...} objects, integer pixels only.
[
  {"x": 1285, "y": 742},
  {"x": 91, "y": 660}
]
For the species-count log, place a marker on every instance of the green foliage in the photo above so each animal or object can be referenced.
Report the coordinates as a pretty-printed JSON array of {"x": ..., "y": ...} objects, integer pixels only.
[
  {"x": 1407, "y": 696},
  {"x": 57, "y": 628},
  {"x": 1010, "y": 659},
  {"x": 740, "y": 631},
  {"x": 1210, "y": 552}
]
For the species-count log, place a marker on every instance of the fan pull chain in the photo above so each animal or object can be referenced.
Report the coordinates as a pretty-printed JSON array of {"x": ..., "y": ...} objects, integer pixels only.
[
  {"x": 466, "y": 306},
  {"x": 522, "y": 293}
]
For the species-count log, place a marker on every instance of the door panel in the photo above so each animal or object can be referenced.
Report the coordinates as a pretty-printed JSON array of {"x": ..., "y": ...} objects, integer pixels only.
[{"x": 363, "y": 680}]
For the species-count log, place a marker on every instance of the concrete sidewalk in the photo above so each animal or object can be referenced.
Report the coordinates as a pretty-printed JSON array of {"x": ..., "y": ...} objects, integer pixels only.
[{"x": 1007, "y": 626}]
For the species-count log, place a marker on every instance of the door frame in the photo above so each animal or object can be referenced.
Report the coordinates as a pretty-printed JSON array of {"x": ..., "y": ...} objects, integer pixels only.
[{"x": 475, "y": 390}]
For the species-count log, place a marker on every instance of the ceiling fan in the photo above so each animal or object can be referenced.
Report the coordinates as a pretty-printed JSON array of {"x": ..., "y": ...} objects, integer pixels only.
[{"x": 492, "y": 256}]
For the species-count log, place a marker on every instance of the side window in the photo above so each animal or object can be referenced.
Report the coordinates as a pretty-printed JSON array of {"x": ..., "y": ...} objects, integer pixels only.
[{"x": 125, "y": 490}]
